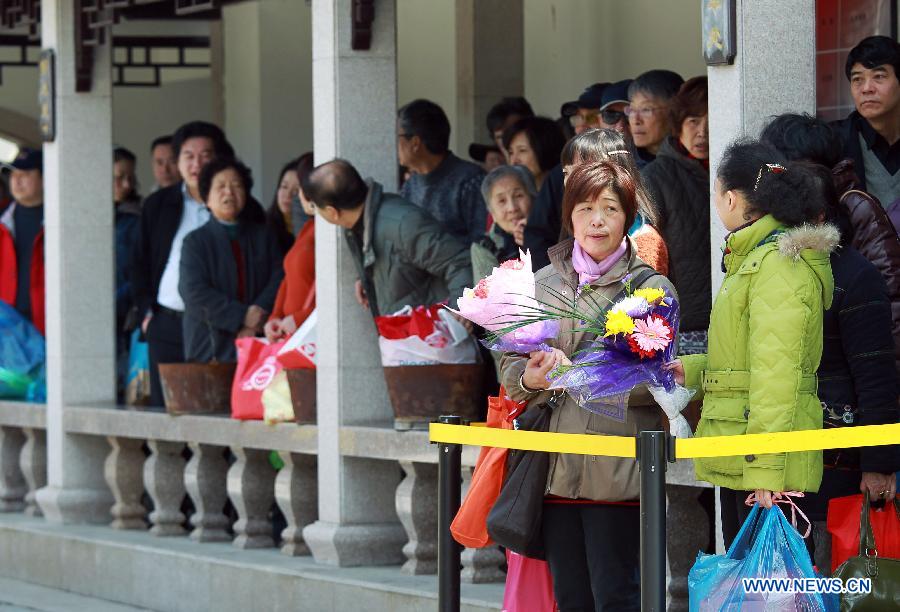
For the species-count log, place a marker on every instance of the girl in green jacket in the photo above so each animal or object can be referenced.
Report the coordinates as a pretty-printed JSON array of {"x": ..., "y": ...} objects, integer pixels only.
[{"x": 765, "y": 331}]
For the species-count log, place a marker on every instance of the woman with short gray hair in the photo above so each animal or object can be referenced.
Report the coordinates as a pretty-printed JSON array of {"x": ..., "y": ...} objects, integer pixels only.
[{"x": 508, "y": 193}]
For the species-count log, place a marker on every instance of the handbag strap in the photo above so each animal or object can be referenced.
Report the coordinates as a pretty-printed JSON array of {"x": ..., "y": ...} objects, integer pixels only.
[{"x": 866, "y": 537}]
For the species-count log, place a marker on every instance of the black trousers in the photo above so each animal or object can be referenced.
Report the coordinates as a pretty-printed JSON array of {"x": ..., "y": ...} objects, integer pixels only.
[
  {"x": 594, "y": 556},
  {"x": 165, "y": 344}
]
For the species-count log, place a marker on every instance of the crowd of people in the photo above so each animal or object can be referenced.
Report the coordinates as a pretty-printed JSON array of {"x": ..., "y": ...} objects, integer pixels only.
[{"x": 805, "y": 329}]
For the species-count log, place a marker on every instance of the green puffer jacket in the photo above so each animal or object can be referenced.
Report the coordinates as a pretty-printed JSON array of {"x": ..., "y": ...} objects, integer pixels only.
[{"x": 765, "y": 343}]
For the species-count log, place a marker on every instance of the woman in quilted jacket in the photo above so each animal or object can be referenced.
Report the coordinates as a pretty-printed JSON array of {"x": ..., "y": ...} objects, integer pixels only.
[{"x": 765, "y": 331}]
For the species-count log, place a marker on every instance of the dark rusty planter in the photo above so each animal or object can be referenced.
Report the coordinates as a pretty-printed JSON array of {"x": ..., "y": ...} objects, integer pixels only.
[
  {"x": 197, "y": 388},
  {"x": 303, "y": 395},
  {"x": 420, "y": 394}
]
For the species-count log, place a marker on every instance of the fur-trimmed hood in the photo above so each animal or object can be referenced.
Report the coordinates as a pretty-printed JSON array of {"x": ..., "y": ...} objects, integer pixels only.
[{"x": 794, "y": 241}]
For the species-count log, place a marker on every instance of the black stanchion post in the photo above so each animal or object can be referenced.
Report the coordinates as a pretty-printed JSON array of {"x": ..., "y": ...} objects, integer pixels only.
[
  {"x": 652, "y": 458},
  {"x": 449, "y": 488}
]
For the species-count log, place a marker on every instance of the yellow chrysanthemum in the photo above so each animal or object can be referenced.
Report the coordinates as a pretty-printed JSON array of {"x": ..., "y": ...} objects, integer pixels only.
[
  {"x": 618, "y": 323},
  {"x": 651, "y": 294}
]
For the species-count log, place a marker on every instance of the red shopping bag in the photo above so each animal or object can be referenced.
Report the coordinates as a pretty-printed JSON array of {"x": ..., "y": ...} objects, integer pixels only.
[
  {"x": 425, "y": 335},
  {"x": 843, "y": 525},
  {"x": 529, "y": 586},
  {"x": 469, "y": 527},
  {"x": 257, "y": 365}
]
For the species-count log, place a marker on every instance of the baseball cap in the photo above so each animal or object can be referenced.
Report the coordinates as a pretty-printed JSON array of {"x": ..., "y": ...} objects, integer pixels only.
[
  {"x": 617, "y": 93},
  {"x": 591, "y": 97},
  {"x": 479, "y": 152},
  {"x": 27, "y": 159}
]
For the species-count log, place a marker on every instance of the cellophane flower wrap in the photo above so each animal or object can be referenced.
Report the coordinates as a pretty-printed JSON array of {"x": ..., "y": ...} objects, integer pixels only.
[
  {"x": 635, "y": 339},
  {"x": 504, "y": 304}
]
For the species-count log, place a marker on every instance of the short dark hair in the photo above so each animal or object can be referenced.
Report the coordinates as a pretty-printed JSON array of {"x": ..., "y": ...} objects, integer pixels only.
[
  {"x": 791, "y": 196},
  {"x": 661, "y": 84},
  {"x": 506, "y": 108},
  {"x": 304, "y": 167},
  {"x": 161, "y": 140},
  {"x": 692, "y": 100},
  {"x": 588, "y": 181},
  {"x": 544, "y": 136},
  {"x": 872, "y": 52},
  {"x": 800, "y": 137},
  {"x": 123, "y": 154},
  {"x": 220, "y": 164},
  {"x": 337, "y": 184},
  {"x": 604, "y": 144},
  {"x": 202, "y": 129},
  {"x": 428, "y": 121},
  {"x": 835, "y": 214}
]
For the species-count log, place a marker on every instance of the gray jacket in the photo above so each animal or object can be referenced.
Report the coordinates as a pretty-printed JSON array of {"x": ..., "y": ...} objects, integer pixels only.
[
  {"x": 610, "y": 479},
  {"x": 404, "y": 257}
]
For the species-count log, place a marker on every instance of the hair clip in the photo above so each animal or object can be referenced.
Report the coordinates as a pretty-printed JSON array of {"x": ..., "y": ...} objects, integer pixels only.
[
  {"x": 619, "y": 152},
  {"x": 773, "y": 168}
]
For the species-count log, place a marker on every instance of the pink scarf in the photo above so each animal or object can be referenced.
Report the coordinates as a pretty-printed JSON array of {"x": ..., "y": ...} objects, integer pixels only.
[{"x": 589, "y": 271}]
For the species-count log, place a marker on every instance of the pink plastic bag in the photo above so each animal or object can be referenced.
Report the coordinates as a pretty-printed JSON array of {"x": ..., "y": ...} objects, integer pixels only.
[
  {"x": 529, "y": 587},
  {"x": 257, "y": 365}
]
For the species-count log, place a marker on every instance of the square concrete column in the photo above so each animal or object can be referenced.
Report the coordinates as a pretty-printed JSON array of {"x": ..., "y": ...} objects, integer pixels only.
[
  {"x": 354, "y": 106},
  {"x": 78, "y": 221},
  {"x": 774, "y": 72}
]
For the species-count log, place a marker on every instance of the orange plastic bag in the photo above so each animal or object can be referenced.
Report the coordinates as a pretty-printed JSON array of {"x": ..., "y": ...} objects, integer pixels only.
[{"x": 469, "y": 527}]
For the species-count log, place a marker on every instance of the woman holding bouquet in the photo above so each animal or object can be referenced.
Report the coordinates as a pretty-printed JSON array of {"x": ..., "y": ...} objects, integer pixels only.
[
  {"x": 765, "y": 331},
  {"x": 590, "y": 519}
]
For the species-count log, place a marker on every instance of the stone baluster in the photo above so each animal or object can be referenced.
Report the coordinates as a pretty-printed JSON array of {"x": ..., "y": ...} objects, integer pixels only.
[
  {"x": 297, "y": 494},
  {"x": 205, "y": 480},
  {"x": 13, "y": 487},
  {"x": 251, "y": 489},
  {"x": 480, "y": 565},
  {"x": 687, "y": 533},
  {"x": 33, "y": 463},
  {"x": 164, "y": 480},
  {"x": 417, "y": 508},
  {"x": 123, "y": 470}
]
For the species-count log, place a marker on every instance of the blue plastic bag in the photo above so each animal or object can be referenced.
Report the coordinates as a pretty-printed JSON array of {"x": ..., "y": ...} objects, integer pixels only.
[
  {"x": 767, "y": 546},
  {"x": 22, "y": 357},
  {"x": 137, "y": 382}
]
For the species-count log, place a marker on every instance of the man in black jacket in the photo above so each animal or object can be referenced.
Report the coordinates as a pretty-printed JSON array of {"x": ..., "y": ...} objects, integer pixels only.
[
  {"x": 871, "y": 134},
  {"x": 168, "y": 215}
]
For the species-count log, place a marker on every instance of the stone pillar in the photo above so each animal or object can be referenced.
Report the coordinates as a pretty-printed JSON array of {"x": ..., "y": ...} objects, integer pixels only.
[
  {"x": 33, "y": 462},
  {"x": 488, "y": 66},
  {"x": 357, "y": 522},
  {"x": 12, "y": 482},
  {"x": 124, "y": 471},
  {"x": 262, "y": 102},
  {"x": 298, "y": 499},
  {"x": 251, "y": 489},
  {"x": 78, "y": 253},
  {"x": 205, "y": 481},
  {"x": 418, "y": 511},
  {"x": 164, "y": 480},
  {"x": 774, "y": 72}
]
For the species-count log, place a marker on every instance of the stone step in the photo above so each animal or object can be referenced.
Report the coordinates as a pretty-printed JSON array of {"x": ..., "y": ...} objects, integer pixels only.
[
  {"x": 178, "y": 575},
  {"x": 18, "y": 596}
]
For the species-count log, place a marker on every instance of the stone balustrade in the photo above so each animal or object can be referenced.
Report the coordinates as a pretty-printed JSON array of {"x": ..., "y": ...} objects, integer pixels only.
[{"x": 212, "y": 479}]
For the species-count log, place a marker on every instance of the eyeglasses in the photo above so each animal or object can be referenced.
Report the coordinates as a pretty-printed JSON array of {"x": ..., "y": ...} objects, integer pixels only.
[
  {"x": 578, "y": 120},
  {"x": 643, "y": 113},
  {"x": 612, "y": 117}
]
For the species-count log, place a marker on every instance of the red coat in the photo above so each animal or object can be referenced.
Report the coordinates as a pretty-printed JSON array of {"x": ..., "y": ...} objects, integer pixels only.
[
  {"x": 9, "y": 270},
  {"x": 297, "y": 294}
]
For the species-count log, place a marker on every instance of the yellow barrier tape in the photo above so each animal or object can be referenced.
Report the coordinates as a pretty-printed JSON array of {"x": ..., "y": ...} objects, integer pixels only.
[
  {"x": 620, "y": 446},
  {"x": 576, "y": 444},
  {"x": 788, "y": 442}
]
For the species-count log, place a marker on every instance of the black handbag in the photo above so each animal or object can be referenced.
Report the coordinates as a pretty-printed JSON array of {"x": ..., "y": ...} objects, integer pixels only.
[
  {"x": 515, "y": 519},
  {"x": 883, "y": 572}
]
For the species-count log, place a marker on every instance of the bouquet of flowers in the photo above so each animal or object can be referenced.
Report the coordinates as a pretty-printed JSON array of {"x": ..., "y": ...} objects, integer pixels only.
[
  {"x": 634, "y": 339},
  {"x": 504, "y": 304}
]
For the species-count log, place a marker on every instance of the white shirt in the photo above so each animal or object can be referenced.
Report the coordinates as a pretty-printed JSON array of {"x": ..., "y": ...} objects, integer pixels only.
[{"x": 194, "y": 215}]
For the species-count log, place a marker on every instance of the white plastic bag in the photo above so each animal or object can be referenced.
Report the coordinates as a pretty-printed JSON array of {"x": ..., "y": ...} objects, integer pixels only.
[
  {"x": 672, "y": 404},
  {"x": 423, "y": 336},
  {"x": 304, "y": 339}
]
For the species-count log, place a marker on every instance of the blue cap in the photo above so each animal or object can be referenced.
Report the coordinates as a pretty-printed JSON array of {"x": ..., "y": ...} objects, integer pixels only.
[
  {"x": 27, "y": 159},
  {"x": 617, "y": 93}
]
